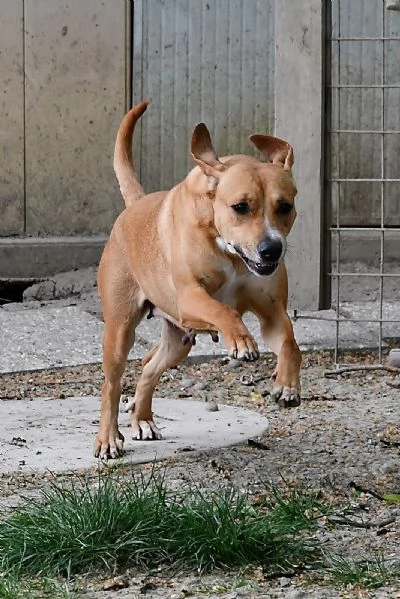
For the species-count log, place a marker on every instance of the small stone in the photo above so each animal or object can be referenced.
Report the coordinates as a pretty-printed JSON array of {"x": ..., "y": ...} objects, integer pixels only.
[
  {"x": 119, "y": 582},
  {"x": 186, "y": 383},
  {"x": 394, "y": 358},
  {"x": 296, "y": 594},
  {"x": 200, "y": 386},
  {"x": 390, "y": 467},
  {"x": 234, "y": 363},
  {"x": 285, "y": 581},
  {"x": 211, "y": 406}
]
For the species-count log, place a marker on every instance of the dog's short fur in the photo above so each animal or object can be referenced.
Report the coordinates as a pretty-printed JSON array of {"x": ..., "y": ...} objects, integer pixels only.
[{"x": 199, "y": 256}]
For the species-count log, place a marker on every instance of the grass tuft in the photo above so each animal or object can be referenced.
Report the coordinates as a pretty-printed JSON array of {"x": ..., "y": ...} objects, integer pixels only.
[
  {"x": 120, "y": 523},
  {"x": 373, "y": 572},
  {"x": 12, "y": 587}
]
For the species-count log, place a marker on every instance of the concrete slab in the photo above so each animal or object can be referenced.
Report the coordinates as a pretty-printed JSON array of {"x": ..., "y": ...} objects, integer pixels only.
[
  {"x": 67, "y": 336},
  {"x": 317, "y": 330},
  {"x": 48, "y": 337},
  {"x": 57, "y": 435}
]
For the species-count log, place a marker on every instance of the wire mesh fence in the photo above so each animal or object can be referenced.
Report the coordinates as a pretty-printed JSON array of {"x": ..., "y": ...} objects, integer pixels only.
[{"x": 363, "y": 168}]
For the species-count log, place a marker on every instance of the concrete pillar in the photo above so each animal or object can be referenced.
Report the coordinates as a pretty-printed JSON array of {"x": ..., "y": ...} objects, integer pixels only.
[{"x": 299, "y": 113}]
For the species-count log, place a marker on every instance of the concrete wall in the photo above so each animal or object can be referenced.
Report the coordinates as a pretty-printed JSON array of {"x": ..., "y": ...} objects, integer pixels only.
[
  {"x": 299, "y": 102},
  {"x": 63, "y": 72},
  {"x": 12, "y": 195}
]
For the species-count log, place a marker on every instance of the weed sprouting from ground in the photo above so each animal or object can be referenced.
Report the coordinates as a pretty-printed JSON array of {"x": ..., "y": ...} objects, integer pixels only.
[
  {"x": 121, "y": 523},
  {"x": 12, "y": 587},
  {"x": 372, "y": 572}
]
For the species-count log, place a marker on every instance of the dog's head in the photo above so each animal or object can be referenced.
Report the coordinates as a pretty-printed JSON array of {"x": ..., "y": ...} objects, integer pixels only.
[{"x": 253, "y": 201}]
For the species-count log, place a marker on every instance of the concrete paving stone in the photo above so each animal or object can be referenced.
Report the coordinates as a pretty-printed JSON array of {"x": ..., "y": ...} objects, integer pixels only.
[
  {"x": 317, "y": 330},
  {"x": 47, "y": 337},
  {"x": 58, "y": 434}
]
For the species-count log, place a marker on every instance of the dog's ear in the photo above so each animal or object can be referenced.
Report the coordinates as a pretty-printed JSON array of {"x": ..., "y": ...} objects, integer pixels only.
[
  {"x": 203, "y": 153},
  {"x": 276, "y": 150}
]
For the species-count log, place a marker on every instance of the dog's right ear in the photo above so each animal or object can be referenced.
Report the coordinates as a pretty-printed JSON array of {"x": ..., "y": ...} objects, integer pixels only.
[
  {"x": 276, "y": 150},
  {"x": 203, "y": 153}
]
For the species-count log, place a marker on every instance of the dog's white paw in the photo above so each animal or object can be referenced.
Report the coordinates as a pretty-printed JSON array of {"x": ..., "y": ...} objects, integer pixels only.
[
  {"x": 286, "y": 397},
  {"x": 144, "y": 430}
]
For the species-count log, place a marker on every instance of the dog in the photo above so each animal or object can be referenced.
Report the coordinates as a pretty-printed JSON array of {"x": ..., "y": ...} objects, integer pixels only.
[{"x": 199, "y": 256}]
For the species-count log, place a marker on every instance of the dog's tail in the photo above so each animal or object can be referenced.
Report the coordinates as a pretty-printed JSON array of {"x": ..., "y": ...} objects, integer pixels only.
[{"x": 123, "y": 166}]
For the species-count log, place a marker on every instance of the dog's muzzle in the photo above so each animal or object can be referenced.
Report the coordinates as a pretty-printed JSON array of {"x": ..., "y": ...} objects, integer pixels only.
[{"x": 269, "y": 253}]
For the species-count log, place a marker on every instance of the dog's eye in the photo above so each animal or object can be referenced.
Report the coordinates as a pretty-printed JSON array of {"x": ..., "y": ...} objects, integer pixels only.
[
  {"x": 284, "y": 208},
  {"x": 241, "y": 208}
]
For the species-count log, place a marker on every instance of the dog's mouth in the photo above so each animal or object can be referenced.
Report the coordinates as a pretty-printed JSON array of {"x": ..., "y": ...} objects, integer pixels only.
[{"x": 262, "y": 269}]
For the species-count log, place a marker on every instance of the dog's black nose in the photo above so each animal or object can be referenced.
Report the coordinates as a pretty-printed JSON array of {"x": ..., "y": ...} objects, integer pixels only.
[{"x": 270, "y": 250}]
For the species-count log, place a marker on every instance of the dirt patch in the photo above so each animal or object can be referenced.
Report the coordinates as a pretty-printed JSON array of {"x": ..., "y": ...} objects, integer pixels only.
[{"x": 343, "y": 441}]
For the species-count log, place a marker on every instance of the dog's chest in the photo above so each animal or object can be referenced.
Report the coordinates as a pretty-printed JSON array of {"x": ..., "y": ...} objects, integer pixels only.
[{"x": 229, "y": 292}]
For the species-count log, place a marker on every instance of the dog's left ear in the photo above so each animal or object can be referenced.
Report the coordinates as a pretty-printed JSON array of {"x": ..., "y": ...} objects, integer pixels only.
[
  {"x": 276, "y": 150},
  {"x": 203, "y": 153}
]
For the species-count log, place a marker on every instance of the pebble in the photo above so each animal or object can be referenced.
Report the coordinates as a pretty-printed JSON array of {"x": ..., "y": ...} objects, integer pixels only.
[
  {"x": 296, "y": 594},
  {"x": 186, "y": 383},
  {"x": 234, "y": 363},
  {"x": 211, "y": 406},
  {"x": 391, "y": 467},
  {"x": 119, "y": 582},
  {"x": 200, "y": 386}
]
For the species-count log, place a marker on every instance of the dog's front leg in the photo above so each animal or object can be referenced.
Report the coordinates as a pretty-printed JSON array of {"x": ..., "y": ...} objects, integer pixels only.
[
  {"x": 277, "y": 332},
  {"x": 198, "y": 310}
]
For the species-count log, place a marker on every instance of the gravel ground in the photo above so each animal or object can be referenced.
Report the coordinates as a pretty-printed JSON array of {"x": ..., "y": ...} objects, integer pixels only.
[{"x": 343, "y": 441}]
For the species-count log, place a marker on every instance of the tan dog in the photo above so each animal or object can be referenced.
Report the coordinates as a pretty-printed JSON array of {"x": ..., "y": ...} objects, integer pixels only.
[{"x": 199, "y": 256}]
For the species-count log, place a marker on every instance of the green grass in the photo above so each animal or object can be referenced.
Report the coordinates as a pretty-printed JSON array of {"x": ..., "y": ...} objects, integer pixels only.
[
  {"x": 373, "y": 572},
  {"x": 12, "y": 587},
  {"x": 121, "y": 523}
]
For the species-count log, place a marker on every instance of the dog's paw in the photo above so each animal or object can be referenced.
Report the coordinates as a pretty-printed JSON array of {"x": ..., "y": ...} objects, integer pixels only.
[
  {"x": 143, "y": 430},
  {"x": 286, "y": 397},
  {"x": 243, "y": 347},
  {"x": 109, "y": 446}
]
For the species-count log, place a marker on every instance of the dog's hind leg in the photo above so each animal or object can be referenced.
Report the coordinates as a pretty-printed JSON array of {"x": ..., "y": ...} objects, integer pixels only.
[
  {"x": 122, "y": 311},
  {"x": 119, "y": 336},
  {"x": 169, "y": 352},
  {"x": 147, "y": 356}
]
